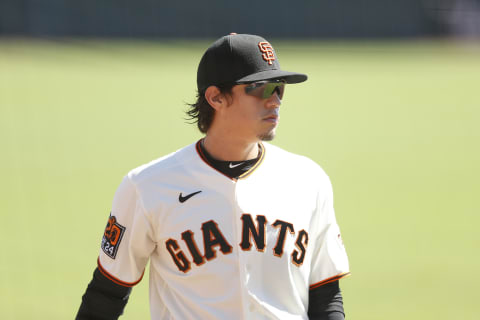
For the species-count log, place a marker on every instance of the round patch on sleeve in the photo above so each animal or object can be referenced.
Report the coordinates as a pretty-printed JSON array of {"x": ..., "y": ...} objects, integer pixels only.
[{"x": 112, "y": 237}]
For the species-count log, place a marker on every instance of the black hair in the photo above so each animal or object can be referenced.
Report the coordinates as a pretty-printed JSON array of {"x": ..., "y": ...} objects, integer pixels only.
[{"x": 201, "y": 112}]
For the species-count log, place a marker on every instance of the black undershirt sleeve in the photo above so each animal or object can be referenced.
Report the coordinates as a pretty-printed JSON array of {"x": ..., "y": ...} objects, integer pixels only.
[
  {"x": 103, "y": 299},
  {"x": 326, "y": 303}
]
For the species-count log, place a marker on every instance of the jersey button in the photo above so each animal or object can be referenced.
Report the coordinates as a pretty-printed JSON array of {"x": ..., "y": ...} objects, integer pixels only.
[{"x": 251, "y": 307}]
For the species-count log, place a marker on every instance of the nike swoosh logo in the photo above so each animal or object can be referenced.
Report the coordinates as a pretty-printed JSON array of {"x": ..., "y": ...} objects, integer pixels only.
[
  {"x": 182, "y": 198},
  {"x": 231, "y": 166}
]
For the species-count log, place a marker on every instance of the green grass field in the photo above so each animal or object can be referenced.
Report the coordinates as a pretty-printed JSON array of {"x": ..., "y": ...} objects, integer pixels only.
[{"x": 396, "y": 125}]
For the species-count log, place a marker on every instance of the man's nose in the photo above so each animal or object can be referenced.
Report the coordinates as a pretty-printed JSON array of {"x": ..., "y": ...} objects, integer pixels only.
[{"x": 274, "y": 101}]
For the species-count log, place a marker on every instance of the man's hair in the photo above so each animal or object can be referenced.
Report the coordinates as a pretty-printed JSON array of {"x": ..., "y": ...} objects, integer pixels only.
[{"x": 202, "y": 112}]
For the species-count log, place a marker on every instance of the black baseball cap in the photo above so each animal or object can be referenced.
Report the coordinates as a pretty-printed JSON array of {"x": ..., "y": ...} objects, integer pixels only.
[{"x": 241, "y": 58}]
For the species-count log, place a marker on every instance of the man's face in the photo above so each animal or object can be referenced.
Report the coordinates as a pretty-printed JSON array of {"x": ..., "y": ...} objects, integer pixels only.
[{"x": 250, "y": 117}]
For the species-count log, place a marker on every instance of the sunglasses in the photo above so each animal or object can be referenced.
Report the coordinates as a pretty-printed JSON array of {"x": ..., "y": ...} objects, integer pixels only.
[{"x": 266, "y": 89}]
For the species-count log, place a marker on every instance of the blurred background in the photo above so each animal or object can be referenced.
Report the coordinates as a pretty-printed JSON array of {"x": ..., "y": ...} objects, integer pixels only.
[
  {"x": 283, "y": 18},
  {"x": 91, "y": 89}
]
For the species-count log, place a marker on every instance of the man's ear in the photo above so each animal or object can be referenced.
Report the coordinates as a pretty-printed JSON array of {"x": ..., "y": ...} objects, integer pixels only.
[{"x": 215, "y": 98}]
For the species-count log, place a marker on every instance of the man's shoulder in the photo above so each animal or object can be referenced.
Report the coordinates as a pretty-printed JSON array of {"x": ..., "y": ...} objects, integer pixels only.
[
  {"x": 166, "y": 164},
  {"x": 282, "y": 157}
]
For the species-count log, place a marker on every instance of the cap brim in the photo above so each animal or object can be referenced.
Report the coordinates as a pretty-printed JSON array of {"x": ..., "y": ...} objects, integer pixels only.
[{"x": 289, "y": 77}]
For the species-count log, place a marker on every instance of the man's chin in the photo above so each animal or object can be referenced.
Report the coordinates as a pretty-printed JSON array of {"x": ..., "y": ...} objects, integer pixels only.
[{"x": 269, "y": 136}]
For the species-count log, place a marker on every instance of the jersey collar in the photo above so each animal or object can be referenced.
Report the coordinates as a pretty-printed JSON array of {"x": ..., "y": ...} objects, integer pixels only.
[{"x": 198, "y": 147}]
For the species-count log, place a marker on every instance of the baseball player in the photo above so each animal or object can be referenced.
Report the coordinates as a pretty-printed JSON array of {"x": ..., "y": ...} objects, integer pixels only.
[{"x": 233, "y": 227}]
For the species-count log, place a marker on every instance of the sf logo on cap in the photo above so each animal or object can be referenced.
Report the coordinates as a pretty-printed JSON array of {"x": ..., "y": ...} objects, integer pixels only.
[{"x": 267, "y": 49}]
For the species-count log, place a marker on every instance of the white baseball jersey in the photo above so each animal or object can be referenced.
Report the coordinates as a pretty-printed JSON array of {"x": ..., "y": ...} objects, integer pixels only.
[{"x": 222, "y": 248}]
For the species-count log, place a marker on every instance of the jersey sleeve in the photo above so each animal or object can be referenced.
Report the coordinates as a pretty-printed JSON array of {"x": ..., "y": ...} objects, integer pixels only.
[
  {"x": 329, "y": 260},
  {"x": 128, "y": 238}
]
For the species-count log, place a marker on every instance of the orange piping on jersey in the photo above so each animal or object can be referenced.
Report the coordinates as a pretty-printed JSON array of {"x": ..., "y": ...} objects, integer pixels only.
[
  {"x": 329, "y": 280},
  {"x": 202, "y": 156},
  {"x": 246, "y": 174},
  {"x": 115, "y": 280}
]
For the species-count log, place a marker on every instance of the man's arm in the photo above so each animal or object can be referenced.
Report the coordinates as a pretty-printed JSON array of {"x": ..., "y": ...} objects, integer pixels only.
[
  {"x": 103, "y": 299},
  {"x": 326, "y": 303}
]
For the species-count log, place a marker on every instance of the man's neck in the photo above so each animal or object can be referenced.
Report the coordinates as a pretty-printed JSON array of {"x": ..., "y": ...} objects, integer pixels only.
[{"x": 225, "y": 149}]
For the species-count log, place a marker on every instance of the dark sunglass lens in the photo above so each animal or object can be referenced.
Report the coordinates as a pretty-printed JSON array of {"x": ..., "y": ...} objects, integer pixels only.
[
  {"x": 271, "y": 88},
  {"x": 265, "y": 90},
  {"x": 280, "y": 91},
  {"x": 255, "y": 89}
]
